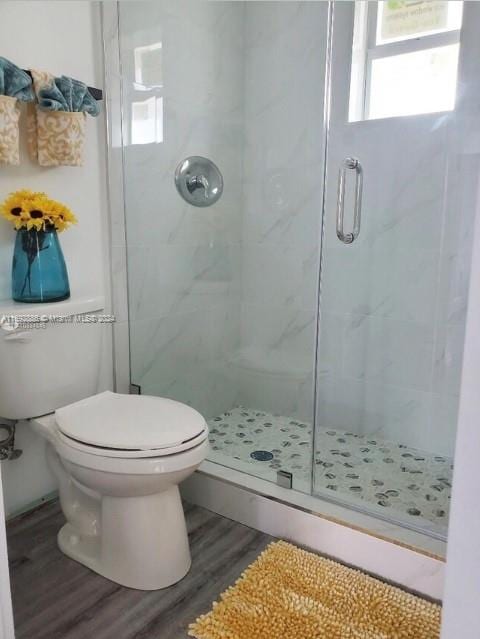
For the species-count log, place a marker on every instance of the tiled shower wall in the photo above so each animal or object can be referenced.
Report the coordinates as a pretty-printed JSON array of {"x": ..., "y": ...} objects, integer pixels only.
[
  {"x": 283, "y": 186},
  {"x": 223, "y": 299},
  {"x": 393, "y": 304},
  {"x": 184, "y": 262}
]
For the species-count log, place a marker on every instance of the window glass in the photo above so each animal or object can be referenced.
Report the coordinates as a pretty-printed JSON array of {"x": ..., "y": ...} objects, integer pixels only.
[
  {"x": 405, "y": 19},
  {"x": 404, "y": 58},
  {"x": 419, "y": 82}
]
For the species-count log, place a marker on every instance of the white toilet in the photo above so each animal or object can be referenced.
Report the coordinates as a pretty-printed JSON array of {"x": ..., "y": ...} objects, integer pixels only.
[{"x": 118, "y": 458}]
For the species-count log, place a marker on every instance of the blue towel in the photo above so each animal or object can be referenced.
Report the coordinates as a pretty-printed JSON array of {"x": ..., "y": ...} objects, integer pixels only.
[
  {"x": 67, "y": 94},
  {"x": 15, "y": 82}
]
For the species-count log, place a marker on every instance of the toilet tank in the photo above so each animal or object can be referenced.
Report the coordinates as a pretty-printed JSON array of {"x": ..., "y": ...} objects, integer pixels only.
[{"x": 50, "y": 355}]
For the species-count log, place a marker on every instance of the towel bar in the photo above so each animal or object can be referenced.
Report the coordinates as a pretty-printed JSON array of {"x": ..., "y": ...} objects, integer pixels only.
[{"x": 96, "y": 93}]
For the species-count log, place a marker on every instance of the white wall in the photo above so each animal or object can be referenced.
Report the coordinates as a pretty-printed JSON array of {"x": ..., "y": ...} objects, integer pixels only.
[
  {"x": 461, "y": 615},
  {"x": 64, "y": 38}
]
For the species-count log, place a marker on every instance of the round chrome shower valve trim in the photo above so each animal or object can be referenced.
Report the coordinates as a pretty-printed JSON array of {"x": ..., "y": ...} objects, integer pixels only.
[{"x": 199, "y": 181}]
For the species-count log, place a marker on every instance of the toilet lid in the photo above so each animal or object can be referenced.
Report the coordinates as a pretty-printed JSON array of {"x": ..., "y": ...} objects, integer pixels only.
[{"x": 129, "y": 422}]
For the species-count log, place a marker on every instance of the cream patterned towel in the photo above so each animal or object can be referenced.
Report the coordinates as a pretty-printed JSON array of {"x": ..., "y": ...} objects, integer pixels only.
[
  {"x": 54, "y": 137},
  {"x": 9, "y": 131},
  {"x": 15, "y": 87}
]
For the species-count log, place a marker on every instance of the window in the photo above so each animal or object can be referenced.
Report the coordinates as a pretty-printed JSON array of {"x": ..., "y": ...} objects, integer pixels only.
[{"x": 405, "y": 58}]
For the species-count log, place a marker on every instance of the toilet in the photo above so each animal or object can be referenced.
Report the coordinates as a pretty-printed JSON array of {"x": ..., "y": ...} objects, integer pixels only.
[{"x": 118, "y": 459}]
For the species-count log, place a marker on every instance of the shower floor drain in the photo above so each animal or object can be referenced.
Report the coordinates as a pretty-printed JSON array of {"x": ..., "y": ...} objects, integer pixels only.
[{"x": 261, "y": 455}]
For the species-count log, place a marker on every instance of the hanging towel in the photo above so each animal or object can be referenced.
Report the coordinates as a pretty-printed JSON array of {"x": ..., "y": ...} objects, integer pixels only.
[
  {"x": 41, "y": 79},
  {"x": 15, "y": 82},
  {"x": 57, "y": 124},
  {"x": 67, "y": 94},
  {"x": 9, "y": 130},
  {"x": 15, "y": 86}
]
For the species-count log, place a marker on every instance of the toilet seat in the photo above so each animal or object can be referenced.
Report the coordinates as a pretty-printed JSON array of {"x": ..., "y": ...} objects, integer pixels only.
[
  {"x": 130, "y": 426},
  {"x": 135, "y": 453}
]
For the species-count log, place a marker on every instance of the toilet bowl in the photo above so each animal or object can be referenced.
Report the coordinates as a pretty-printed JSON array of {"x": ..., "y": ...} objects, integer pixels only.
[{"x": 119, "y": 460}]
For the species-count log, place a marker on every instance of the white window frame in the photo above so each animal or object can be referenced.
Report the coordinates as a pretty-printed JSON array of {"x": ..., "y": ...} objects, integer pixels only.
[{"x": 374, "y": 51}]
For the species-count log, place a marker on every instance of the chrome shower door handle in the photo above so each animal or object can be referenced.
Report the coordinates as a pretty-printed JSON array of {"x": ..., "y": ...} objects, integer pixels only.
[{"x": 349, "y": 163}]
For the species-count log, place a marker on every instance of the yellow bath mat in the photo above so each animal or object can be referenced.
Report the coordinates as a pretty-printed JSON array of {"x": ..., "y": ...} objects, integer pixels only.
[{"x": 288, "y": 593}]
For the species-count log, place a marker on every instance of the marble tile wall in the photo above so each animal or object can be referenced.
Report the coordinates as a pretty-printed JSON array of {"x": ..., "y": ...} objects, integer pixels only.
[
  {"x": 116, "y": 196},
  {"x": 183, "y": 262},
  {"x": 283, "y": 128},
  {"x": 393, "y": 303},
  {"x": 223, "y": 301}
]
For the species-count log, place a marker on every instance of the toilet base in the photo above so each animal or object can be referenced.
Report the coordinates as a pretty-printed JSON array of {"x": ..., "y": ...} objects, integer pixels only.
[{"x": 142, "y": 543}]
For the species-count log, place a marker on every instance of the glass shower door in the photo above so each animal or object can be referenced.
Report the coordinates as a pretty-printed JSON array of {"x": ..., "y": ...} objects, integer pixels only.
[
  {"x": 222, "y": 298},
  {"x": 395, "y": 258}
]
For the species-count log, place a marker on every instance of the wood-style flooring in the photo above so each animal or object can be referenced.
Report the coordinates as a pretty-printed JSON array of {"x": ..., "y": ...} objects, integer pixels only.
[{"x": 57, "y": 598}]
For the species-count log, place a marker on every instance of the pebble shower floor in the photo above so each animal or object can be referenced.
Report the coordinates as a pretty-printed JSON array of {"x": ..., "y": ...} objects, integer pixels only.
[{"x": 395, "y": 477}]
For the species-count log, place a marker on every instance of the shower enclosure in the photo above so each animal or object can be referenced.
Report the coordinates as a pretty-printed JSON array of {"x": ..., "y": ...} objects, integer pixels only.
[{"x": 314, "y": 314}]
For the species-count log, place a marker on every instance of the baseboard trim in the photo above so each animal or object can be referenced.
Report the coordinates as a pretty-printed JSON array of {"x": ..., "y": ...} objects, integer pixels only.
[{"x": 33, "y": 505}]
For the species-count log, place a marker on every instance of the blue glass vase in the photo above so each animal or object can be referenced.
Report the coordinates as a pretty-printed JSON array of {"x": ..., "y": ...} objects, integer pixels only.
[{"x": 39, "y": 273}]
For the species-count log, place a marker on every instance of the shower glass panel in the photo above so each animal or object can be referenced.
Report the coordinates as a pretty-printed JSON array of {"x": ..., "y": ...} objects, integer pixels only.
[
  {"x": 393, "y": 301},
  {"x": 353, "y": 393},
  {"x": 223, "y": 299}
]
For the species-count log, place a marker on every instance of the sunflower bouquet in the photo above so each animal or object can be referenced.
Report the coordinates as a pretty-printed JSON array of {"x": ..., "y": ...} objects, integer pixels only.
[
  {"x": 35, "y": 210},
  {"x": 39, "y": 273}
]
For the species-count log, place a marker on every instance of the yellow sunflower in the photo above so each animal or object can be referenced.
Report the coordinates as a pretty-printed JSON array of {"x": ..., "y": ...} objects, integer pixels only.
[
  {"x": 13, "y": 208},
  {"x": 35, "y": 210},
  {"x": 59, "y": 215}
]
